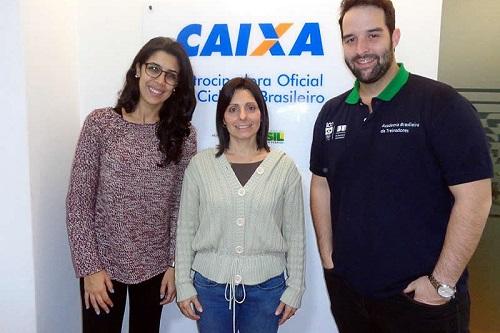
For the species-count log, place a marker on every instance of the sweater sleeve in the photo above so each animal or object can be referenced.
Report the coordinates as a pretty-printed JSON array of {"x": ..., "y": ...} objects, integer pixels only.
[
  {"x": 81, "y": 199},
  {"x": 187, "y": 225},
  {"x": 294, "y": 234},
  {"x": 190, "y": 148}
]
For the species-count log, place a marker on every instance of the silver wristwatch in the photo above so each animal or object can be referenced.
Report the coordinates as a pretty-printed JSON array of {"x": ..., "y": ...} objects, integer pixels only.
[{"x": 442, "y": 289}]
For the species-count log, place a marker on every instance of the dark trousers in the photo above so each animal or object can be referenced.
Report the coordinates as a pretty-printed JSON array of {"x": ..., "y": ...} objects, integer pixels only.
[
  {"x": 145, "y": 308},
  {"x": 354, "y": 313}
]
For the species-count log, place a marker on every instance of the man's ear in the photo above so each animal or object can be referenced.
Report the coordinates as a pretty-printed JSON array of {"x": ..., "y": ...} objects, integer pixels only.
[{"x": 396, "y": 34}]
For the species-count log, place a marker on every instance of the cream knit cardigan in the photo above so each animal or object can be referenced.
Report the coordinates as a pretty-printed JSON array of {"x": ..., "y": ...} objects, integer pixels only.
[{"x": 241, "y": 234}]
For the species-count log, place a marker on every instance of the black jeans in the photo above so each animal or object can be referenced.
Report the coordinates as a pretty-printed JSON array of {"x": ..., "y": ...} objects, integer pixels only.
[
  {"x": 145, "y": 308},
  {"x": 354, "y": 313}
]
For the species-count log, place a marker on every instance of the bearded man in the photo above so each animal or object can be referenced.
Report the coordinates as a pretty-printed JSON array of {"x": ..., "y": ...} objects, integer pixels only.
[{"x": 401, "y": 188}]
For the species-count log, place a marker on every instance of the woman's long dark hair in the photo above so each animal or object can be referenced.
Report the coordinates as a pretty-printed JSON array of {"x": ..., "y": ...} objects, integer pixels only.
[{"x": 176, "y": 112}]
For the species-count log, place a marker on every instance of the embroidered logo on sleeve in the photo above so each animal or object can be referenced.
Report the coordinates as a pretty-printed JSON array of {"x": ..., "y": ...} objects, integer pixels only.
[
  {"x": 328, "y": 131},
  {"x": 340, "y": 132}
]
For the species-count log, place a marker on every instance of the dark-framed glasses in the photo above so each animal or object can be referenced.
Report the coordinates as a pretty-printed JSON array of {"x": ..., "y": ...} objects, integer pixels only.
[{"x": 155, "y": 70}]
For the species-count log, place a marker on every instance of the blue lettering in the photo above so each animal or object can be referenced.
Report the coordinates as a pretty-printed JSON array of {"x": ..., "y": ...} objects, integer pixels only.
[
  {"x": 243, "y": 38},
  {"x": 205, "y": 96},
  {"x": 270, "y": 33},
  {"x": 218, "y": 41},
  {"x": 309, "y": 40},
  {"x": 183, "y": 37}
]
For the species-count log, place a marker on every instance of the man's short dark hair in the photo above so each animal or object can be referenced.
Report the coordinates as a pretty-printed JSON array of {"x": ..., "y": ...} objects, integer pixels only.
[{"x": 385, "y": 5}]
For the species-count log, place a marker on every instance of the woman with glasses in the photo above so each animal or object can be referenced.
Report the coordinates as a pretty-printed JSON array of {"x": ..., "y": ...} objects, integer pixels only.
[
  {"x": 124, "y": 192},
  {"x": 240, "y": 238}
]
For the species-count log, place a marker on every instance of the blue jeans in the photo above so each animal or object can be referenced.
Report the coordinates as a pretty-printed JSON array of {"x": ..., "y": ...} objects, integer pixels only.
[{"x": 254, "y": 315}]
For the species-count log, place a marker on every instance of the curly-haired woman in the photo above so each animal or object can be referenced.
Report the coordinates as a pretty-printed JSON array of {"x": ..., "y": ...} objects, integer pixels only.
[{"x": 123, "y": 197}]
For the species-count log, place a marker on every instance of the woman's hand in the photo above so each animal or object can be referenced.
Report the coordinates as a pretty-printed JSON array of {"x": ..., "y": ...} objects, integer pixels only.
[
  {"x": 167, "y": 289},
  {"x": 187, "y": 307},
  {"x": 96, "y": 287},
  {"x": 286, "y": 312}
]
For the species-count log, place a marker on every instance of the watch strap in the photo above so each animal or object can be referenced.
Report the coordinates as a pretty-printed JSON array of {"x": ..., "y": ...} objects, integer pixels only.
[{"x": 437, "y": 285}]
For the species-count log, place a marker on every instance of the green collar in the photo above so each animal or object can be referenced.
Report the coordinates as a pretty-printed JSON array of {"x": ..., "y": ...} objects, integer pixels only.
[{"x": 388, "y": 93}]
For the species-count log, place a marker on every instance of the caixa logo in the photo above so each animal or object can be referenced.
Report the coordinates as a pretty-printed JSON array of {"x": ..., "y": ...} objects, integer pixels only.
[{"x": 308, "y": 40}]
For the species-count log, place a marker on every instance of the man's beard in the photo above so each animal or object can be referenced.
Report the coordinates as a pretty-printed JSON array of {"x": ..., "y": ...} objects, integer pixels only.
[{"x": 381, "y": 67}]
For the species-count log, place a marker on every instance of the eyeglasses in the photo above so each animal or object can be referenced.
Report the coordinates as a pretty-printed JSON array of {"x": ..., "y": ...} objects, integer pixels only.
[{"x": 155, "y": 70}]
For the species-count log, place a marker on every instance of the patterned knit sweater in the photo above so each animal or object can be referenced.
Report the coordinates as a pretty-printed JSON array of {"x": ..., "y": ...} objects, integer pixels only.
[
  {"x": 241, "y": 234},
  {"x": 121, "y": 207}
]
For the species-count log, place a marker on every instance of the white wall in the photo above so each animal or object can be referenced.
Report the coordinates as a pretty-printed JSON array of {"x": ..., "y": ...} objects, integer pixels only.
[
  {"x": 38, "y": 133},
  {"x": 50, "y": 42},
  {"x": 17, "y": 282},
  {"x": 420, "y": 25},
  {"x": 109, "y": 35}
]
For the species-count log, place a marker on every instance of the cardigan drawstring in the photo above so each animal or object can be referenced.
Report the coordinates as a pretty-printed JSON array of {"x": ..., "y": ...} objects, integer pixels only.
[{"x": 230, "y": 291}]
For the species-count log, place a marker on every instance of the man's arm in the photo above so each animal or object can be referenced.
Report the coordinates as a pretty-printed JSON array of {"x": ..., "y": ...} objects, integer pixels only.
[
  {"x": 320, "y": 211},
  {"x": 467, "y": 220},
  {"x": 465, "y": 227}
]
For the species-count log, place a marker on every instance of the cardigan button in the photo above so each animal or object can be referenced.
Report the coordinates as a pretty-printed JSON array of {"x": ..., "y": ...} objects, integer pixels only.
[
  {"x": 240, "y": 221},
  {"x": 260, "y": 170},
  {"x": 241, "y": 192},
  {"x": 239, "y": 249},
  {"x": 237, "y": 279}
]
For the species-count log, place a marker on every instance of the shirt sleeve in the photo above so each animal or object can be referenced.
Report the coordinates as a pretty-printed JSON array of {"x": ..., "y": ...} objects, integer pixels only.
[
  {"x": 189, "y": 151},
  {"x": 187, "y": 225},
  {"x": 458, "y": 140},
  {"x": 318, "y": 163},
  {"x": 294, "y": 235},
  {"x": 81, "y": 199}
]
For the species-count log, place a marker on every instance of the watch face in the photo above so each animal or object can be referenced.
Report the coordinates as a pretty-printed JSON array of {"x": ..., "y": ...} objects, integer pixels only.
[{"x": 446, "y": 291}]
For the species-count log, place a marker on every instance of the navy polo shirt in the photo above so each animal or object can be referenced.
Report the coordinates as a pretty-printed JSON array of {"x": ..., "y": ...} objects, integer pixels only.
[{"x": 389, "y": 173}]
